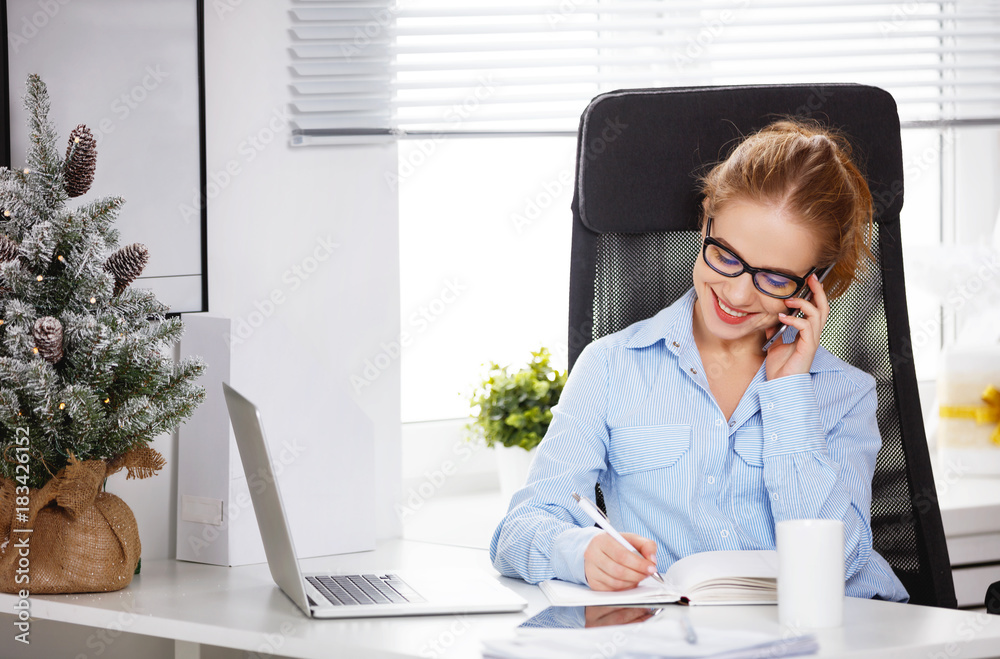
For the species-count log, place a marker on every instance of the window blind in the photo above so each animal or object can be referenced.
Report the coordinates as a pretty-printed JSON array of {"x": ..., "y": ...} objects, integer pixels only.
[{"x": 371, "y": 70}]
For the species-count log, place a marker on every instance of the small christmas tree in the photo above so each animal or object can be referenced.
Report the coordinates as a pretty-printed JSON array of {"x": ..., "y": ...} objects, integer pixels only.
[{"x": 86, "y": 367}]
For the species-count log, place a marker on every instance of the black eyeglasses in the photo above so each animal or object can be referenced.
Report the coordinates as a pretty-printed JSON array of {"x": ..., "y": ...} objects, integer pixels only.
[{"x": 726, "y": 263}]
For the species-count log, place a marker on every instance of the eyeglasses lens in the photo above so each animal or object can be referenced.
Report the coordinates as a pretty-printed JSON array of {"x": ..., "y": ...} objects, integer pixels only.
[
  {"x": 726, "y": 263},
  {"x": 775, "y": 284}
]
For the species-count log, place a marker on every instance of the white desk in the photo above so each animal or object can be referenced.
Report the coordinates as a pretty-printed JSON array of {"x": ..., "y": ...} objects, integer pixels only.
[
  {"x": 241, "y": 608},
  {"x": 970, "y": 512}
]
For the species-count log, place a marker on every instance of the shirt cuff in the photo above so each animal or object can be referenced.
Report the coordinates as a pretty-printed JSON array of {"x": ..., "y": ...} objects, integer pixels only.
[
  {"x": 567, "y": 553},
  {"x": 790, "y": 416}
]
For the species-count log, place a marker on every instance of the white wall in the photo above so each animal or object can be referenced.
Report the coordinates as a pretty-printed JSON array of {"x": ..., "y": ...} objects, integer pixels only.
[
  {"x": 271, "y": 210},
  {"x": 281, "y": 207}
]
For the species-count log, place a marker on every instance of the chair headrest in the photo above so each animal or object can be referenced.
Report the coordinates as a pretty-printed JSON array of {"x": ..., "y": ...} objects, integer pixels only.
[{"x": 640, "y": 151}]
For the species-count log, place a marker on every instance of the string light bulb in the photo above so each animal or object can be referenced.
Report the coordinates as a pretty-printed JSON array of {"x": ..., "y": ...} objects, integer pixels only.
[
  {"x": 26, "y": 170},
  {"x": 62, "y": 406},
  {"x": 107, "y": 400},
  {"x": 39, "y": 278},
  {"x": 6, "y": 213},
  {"x": 61, "y": 259},
  {"x": 93, "y": 300},
  {"x": 34, "y": 350}
]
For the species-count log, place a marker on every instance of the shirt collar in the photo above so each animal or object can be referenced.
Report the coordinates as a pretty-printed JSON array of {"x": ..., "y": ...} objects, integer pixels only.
[{"x": 672, "y": 325}]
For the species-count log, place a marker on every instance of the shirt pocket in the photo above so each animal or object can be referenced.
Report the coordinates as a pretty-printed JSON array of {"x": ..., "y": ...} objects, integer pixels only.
[
  {"x": 748, "y": 442},
  {"x": 634, "y": 449},
  {"x": 746, "y": 480}
]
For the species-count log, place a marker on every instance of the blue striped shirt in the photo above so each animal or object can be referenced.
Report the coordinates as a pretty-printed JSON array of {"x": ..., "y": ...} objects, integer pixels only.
[{"x": 638, "y": 417}]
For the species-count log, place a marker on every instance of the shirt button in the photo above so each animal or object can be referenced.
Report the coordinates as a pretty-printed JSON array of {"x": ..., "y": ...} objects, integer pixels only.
[
  {"x": 724, "y": 533},
  {"x": 718, "y": 422},
  {"x": 711, "y": 480},
  {"x": 676, "y": 345},
  {"x": 774, "y": 437},
  {"x": 770, "y": 406},
  {"x": 775, "y": 496},
  {"x": 694, "y": 371},
  {"x": 732, "y": 423}
]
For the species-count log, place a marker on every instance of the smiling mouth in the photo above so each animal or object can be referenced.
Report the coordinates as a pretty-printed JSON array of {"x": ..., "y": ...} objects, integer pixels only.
[
  {"x": 729, "y": 315},
  {"x": 729, "y": 310}
]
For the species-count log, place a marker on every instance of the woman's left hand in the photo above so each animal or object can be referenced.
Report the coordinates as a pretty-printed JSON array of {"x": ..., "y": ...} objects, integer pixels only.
[{"x": 797, "y": 357}]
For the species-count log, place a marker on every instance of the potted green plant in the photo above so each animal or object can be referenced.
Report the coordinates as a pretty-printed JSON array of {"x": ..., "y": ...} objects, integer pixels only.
[{"x": 512, "y": 411}]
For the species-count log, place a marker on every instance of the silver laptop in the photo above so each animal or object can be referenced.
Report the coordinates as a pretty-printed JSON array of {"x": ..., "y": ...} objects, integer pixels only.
[{"x": 375, "y": 594}]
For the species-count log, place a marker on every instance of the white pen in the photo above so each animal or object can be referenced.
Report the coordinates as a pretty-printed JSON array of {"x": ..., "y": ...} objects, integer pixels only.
[
  {"x": 689, "y": 634},
  {"x": 594, "y": 513}
]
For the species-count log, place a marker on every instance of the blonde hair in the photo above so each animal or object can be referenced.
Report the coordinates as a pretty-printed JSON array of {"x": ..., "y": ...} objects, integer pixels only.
[{"x": 806, "y": 170}]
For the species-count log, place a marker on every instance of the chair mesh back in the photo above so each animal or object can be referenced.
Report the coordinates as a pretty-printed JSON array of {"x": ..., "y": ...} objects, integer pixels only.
[{"x": 637, "y": 275}]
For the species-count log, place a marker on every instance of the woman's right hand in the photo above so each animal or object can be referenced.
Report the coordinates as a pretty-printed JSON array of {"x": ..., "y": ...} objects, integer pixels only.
[
  {"x": 609, "y": 566},
  {"x": 602, "y": 616}
]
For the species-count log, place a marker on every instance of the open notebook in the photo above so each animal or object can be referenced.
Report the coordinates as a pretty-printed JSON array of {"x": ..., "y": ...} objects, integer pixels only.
[{"x": 711, "y": 577}]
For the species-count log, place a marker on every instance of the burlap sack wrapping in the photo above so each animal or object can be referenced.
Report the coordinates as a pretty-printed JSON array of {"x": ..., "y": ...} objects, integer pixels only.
[{"x": 83, "y": 540}]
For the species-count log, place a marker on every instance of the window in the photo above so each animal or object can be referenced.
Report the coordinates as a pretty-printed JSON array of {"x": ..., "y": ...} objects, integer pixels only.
[
  {"x": 374, "y": 70},
  {"x": 484, "y": 248},
  {"x": 485, "y": 219}
]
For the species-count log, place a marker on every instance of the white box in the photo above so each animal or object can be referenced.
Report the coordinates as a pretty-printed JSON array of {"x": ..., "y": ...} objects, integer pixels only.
[
  {"x": 322, "y": 449},
  {"x": 963, "y": 441}
]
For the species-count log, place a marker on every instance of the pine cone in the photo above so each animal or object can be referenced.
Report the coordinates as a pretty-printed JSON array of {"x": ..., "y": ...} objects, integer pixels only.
[
  {"x": 8, "y": 249},
  {"x": 126, "y": 264},
  {"x": 48, "y": 333},
  {"x": 81, "y": 160}
]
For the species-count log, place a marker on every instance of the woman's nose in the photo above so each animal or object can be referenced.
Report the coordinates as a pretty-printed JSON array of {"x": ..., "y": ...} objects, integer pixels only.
[{"x": 742, "y": 292}]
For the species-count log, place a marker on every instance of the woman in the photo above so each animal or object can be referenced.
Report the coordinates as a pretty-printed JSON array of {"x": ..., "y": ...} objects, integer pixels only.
[{"x": 699, "y": 439}]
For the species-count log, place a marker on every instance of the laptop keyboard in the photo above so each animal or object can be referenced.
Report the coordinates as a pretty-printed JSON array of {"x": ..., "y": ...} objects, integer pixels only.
[{"x": 350, "y": 589}]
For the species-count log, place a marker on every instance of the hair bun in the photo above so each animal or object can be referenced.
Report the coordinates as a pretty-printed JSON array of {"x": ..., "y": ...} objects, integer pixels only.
[
  {"x": 821, "y": 139},
  {"x": 808, "y": 169}
]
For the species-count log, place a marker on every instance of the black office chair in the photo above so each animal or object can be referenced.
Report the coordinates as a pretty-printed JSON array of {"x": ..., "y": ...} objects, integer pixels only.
[
  {"x": 992, "y": 601},
  {"x": 635, "y": 240}
]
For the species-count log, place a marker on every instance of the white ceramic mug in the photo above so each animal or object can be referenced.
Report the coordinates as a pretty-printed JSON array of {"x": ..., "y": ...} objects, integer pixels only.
[{"x": 810, "y": 572}]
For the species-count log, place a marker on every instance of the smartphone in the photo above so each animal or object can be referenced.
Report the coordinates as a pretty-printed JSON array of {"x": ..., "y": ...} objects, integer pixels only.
[{"x": 805, "y": 294}]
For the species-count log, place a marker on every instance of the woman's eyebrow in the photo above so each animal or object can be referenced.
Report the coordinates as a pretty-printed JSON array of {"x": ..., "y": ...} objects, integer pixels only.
[{"x": 781, "y": 271}]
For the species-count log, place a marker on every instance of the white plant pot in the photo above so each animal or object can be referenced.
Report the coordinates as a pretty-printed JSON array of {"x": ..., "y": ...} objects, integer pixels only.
[{"x": 512, "y": 466}]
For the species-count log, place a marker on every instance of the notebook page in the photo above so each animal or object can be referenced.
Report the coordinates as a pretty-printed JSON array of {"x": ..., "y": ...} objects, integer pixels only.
[
  {"x": 729, "y": 566},
  {"x": 565, "y": 593}
]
